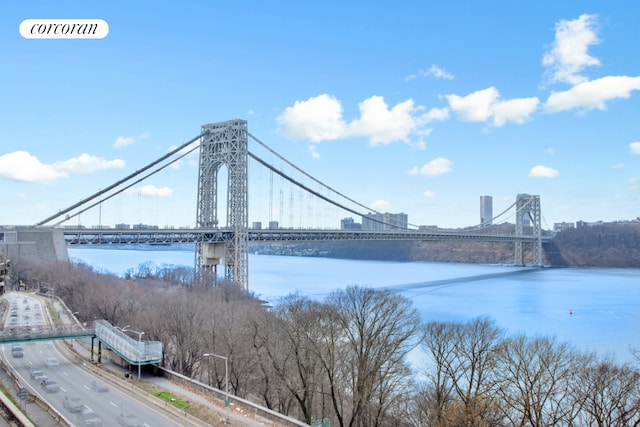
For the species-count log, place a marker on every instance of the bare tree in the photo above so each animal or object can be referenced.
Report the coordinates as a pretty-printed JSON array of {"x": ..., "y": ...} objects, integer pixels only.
[
  {"x": 610, "y": 392},
  {"x": 180, "y": 318},
  {"x": 537, "y": 379},
  {"x": 377, "y": 329},
  {"x": 287, "y": 346},
  {"x": 464, "y": 379},
  {"x": 436, "y": 393}
]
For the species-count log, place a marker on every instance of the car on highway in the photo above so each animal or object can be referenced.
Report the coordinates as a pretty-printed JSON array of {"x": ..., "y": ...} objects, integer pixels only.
[
  {"x": 38, "y": 375},
  {"x": 17, "y": 351},
  {"x": 51, "y": 362},
  {"x": 73, "y": 403},
  {"x": 50, "y": 386},
  {"x": 90, "y": 418},
  {"x": 99, "y": 387},
  {"x": 128, "y": 420}
]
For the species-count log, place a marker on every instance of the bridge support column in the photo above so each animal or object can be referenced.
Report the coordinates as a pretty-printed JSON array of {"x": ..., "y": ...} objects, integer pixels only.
[
  {"x": 528, "y": 223},
  {"x": 225, "y": 143}
]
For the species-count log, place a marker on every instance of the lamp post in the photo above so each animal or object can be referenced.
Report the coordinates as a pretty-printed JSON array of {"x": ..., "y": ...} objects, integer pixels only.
[
  {"x": 140, "y": 334},
  {"x": 226, "y": 380}
]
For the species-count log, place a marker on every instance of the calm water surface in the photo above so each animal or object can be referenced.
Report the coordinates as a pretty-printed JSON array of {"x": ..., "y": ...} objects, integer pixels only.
[{"x": 594, "y": 309}]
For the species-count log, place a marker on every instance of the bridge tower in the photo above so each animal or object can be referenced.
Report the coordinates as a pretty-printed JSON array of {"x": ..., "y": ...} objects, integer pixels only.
[
  {"x": 224, "y": 143},
  {"x": 528, "y": 208}
]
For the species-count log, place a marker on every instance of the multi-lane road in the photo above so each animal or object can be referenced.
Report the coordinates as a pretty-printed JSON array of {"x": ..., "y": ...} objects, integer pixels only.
[{"x": 82, "y": 398}]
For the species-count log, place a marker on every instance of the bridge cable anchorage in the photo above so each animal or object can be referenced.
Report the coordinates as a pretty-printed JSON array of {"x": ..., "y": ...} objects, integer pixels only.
[{"x": 121, "y": 181}]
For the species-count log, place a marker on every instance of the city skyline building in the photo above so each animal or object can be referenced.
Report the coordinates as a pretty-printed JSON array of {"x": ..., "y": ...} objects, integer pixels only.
[{"x": 486, "y": 210}]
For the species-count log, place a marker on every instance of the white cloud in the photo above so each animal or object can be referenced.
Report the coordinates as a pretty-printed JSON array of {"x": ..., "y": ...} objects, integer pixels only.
[
  {"x": 381, "y": 124},
  {"x": 24, "y": 167},
  {"x": 593, "y": 94},
  {"x": 438, "y": 72},
  {"x": 484, "y": 105},
  {"x": 435, "y": 114},
  {"x": 381, "y": 205},
  {"x": 543, "y": 172},
  {"x": 617, "y": 166},
  {"x": 475, "y": 107},
  {"x": 313, "y": 151},
  {"x": 321, "y": 118},
  {"x": 568, "y": 55},
  {"x": 514, "y": 110},
  {"x": 150, "y": 191},
  {"x": 429, "y": 193},
  {"x": 86, "y": 163},
  {"x": 438, "y": 166},
  {"x": 123, "y": 141},
  {"x": 317, "y": 119},
  {"x": 434, "y": 71},
  {"x": 635, "y": 147}
]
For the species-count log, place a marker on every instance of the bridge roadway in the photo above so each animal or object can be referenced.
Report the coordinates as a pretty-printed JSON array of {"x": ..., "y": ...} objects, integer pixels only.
[{"x": 86, "y": 236}]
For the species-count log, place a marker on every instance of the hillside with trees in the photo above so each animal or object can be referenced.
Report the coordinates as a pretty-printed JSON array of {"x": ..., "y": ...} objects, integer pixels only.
[{"x": 345, "y": 357}]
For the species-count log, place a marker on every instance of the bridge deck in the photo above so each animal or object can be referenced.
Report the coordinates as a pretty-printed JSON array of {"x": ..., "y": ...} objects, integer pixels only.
[{"x": 82, "y": 236}]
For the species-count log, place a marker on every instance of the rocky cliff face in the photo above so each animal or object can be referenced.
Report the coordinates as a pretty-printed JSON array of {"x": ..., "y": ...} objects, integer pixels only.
[{"x": 608, "y": 245}]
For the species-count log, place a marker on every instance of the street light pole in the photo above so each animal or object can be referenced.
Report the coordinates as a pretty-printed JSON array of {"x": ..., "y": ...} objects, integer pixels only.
[
  {"x": 140, "y": 334},
  {"x": 226, "y": 380}
]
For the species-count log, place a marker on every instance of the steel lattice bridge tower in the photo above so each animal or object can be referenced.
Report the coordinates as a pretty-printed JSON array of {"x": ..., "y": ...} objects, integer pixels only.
[
  {"x": 528, "y": 207},
  {"x": 224, "y": 144}
]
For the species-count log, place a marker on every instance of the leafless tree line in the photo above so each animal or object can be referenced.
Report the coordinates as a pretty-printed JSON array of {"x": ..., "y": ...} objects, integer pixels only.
[{"x": 345, "y": 358}]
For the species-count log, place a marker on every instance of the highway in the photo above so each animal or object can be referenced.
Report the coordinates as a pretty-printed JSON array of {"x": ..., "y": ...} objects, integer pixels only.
[{"x": 100, "y": 403}]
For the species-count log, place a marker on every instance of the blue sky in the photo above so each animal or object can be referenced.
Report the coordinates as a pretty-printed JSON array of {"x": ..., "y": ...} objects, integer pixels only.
[{"x": 416, "y": 107}]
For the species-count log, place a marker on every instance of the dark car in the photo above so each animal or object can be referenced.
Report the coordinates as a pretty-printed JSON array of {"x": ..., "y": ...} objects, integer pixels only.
[
  {"x": 128, "y": 420},
  {"x": 50, "y": 386},
  {"x": 99, "y": 387}
]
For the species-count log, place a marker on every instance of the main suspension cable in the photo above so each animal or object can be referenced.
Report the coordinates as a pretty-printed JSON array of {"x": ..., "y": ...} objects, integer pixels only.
[{"x": 120, "y": 182}]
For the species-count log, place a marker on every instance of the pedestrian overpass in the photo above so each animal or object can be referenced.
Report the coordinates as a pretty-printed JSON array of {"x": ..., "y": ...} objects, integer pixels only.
[{"x": 134, "y": 352}]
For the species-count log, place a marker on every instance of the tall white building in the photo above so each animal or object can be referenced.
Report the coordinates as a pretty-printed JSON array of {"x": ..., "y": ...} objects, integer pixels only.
[{"x": 486, "y": 210}]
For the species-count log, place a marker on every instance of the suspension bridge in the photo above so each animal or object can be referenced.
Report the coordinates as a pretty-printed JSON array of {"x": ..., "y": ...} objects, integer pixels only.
[{"x": 226, "y": 144}]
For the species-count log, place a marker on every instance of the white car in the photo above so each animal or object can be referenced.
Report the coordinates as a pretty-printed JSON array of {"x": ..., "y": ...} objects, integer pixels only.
[
  {"x": 51, "y": 362},
  {"x": 38, "y": 375}
]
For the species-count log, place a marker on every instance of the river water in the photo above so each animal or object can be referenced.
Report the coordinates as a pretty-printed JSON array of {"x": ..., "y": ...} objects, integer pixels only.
[{"x": 594, "y": 309}]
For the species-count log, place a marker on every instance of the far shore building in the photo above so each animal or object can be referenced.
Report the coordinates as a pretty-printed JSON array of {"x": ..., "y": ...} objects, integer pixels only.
[
  {"x": 385, "y": 221},
  {"x": 486, "y": 210},
  {"x": 349, "y": 224},
  {"x": 561, "y": 226}
]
